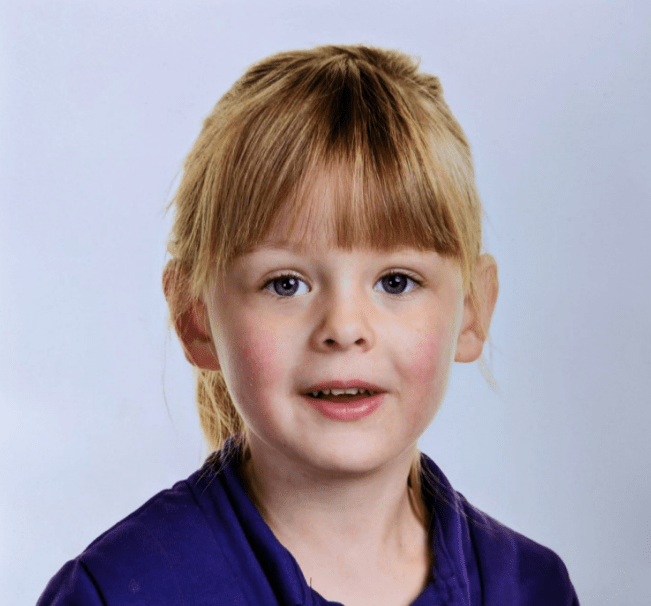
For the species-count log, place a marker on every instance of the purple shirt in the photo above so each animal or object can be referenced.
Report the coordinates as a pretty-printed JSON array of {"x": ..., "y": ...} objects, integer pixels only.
[{"x": 203, "y": 542}]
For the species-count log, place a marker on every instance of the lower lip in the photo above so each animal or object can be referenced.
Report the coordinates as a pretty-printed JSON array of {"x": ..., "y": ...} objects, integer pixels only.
[{"x": 352, "y": 410}]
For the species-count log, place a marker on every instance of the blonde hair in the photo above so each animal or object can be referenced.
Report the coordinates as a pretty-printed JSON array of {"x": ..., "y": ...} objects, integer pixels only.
[{"x": 366, "y": 114}]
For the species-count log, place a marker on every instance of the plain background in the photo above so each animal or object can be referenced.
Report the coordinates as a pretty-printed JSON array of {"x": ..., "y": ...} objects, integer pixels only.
[{"x": 99, "y": 104}]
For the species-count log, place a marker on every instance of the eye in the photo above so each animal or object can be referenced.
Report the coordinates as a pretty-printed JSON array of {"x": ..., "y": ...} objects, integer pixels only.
[
  {"x": 395, "y": 283},
  {"x": 287, "y": 286}
]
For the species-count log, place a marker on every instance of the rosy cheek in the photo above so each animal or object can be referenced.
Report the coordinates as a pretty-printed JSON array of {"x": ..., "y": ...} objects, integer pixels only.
[
  {"x": 256, "y": 362},
  {"x": 426, "y": 359},
  {"x": 425, "y": 368},
  {"x": 264, "y": 355}
]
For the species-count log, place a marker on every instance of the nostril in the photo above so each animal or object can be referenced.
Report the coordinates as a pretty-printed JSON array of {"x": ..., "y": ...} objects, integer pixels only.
[{"x": 331, "y": 342}]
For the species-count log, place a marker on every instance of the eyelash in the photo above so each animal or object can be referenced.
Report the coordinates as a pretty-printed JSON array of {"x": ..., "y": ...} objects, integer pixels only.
[
  {"x": 268, "y": 285},
  {"x": 413, "y": 279}
]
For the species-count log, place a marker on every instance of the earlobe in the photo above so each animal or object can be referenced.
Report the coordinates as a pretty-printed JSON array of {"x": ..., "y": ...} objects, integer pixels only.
[
  {"x": 477, "y": 314},
  {"x": 190, "y": 319}
]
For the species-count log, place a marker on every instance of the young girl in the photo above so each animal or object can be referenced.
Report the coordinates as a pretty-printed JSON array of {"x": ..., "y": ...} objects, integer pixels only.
[{"x": 326, "y": 271}]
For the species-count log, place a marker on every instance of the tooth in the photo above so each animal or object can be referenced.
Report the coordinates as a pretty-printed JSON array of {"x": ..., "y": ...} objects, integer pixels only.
[{"x": 350, "y": 391}]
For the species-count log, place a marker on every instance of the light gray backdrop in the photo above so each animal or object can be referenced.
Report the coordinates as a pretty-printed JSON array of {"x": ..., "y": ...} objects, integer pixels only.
[{"x": 99, "y": 104}]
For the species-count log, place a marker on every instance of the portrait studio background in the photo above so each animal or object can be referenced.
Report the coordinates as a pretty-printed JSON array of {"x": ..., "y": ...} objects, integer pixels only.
[{"x": 99, "y": 102}]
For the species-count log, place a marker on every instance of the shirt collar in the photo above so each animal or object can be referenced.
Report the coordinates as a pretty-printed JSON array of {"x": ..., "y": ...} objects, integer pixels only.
[
  {"x": 278, "y": 564},
  {"x": 454, "y": 563}
]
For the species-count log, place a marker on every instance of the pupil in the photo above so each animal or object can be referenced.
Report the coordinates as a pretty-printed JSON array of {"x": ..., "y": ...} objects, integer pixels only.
[
  {"x": 395, "y": 283},
  {"x": 286, "y": 286}
]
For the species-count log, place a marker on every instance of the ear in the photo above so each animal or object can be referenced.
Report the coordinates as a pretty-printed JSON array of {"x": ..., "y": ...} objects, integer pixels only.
[
  {"x": 477, "y": 314},
  {"x": 190, "y": 318}
]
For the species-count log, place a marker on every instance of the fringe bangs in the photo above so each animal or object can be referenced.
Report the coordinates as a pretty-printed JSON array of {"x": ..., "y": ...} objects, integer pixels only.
[{"x": 398, "y": 174}]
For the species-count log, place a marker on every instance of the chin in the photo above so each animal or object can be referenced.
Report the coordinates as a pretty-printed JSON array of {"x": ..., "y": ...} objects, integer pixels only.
[{"x": 346, "y": 459}]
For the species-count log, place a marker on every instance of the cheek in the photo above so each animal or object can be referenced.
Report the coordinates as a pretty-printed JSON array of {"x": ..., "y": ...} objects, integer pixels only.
[
  {"x": 425, "y": 368},
  {"x": 428, "y": 350},
  {"x": 428, "y": 360},
  {"x": 254, "y": 363}
]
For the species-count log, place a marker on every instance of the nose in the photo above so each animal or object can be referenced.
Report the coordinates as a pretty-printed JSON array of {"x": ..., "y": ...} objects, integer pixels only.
[{"x": 344, "y": 322}]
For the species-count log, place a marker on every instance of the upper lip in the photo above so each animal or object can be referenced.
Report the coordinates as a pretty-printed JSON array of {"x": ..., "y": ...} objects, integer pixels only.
[{"x": 347, "y": 384}]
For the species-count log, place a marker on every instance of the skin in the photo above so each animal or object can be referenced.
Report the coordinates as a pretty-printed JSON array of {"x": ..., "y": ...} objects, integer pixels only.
[{"x": 335, "y": 492}]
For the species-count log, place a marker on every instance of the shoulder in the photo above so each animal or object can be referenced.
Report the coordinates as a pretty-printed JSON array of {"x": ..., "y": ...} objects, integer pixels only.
[
  {"x": 513, "y": 566},
  {"x": 165, "y": 552},
  {"x": 497, "y": 565}
]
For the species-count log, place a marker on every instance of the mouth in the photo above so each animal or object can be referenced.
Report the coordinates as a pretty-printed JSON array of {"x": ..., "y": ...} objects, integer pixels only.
[
  {"x": 342, "y": 396},
  {"x": 343, "y": 392},
  {"x": 345, "y": 400}
]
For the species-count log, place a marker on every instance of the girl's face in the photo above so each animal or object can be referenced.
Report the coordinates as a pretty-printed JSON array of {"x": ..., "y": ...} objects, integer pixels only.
[{"x": 293, "y": 326}]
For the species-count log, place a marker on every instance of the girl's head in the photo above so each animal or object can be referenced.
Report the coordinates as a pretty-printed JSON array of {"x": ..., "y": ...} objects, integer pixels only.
[{"x": 348, "y": 141}]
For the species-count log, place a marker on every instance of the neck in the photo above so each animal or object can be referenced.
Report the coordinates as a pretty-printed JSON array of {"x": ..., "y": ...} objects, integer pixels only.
[{"x": 375, "y": 510}]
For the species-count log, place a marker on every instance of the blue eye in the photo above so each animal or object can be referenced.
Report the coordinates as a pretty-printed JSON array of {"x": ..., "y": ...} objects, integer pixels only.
[
  {"x": 395, "y": 284},
  {"x": 287, "y": 286}
]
